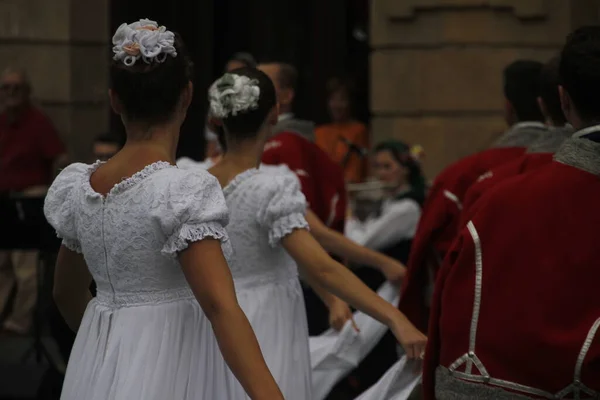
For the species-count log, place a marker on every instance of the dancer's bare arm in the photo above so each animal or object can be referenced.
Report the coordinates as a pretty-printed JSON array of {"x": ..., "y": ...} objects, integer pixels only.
[
  {"x": 336, "y": 243},
  {"x": 206, "y": 270},
  {"x": 339, "y": 312},
  {"x": 71, "y": 291},
  {"x": 316, "y": 263}
]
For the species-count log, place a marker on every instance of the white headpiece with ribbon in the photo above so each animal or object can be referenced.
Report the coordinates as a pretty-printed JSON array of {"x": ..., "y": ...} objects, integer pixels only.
[
  {"x": 144, "y": 40},
  {"x": 232, "y": 94}
]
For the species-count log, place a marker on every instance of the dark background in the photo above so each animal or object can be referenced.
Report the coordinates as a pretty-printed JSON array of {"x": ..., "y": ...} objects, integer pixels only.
[{"x": 316, "y": 36}]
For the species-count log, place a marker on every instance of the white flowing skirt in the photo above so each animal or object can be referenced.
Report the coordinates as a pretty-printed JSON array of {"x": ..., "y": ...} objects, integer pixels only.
[
  {"x": 169, "y": 351},
  {"x": 146, "y": 352},
  {"x": 277, "y": 314}
]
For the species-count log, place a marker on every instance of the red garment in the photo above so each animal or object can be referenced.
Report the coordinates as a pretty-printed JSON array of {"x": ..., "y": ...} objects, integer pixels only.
[
  {"x": 28, "y": 148},
  {"x": 322, "y": 180},
  {"x": 438, "y": 225},
  {"x": 534, "y": 240},
  {"x": 527, "y": 163}
]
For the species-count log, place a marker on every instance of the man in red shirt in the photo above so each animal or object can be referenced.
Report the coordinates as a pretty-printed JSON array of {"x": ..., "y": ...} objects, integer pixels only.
[
  {"x": 538, "y": 154},
  {"x": 439, "y": 221},
  {"x": 30, "y": 149},
  {"x": 515, "y": 313}
]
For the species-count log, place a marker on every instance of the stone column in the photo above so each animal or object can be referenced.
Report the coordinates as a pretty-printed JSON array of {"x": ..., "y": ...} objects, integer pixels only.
[
  {"x": 436, "y": 66},
  {"x": 63, "y": 45}
]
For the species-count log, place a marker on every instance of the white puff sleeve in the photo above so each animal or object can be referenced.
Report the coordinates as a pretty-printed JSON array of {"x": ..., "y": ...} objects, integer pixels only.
[
  {"x": 284, "y": 207},
  {"x": 195, "y": 210},
  {"x": 62, "y": 203}
]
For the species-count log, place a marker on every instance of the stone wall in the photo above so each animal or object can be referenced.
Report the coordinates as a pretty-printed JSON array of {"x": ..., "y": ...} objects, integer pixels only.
[
  {"x": 436, "y": 66},
  {"x": 63, "y": 44}
]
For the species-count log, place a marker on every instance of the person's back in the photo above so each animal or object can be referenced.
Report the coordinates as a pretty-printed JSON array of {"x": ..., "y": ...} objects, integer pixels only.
[
  {"x": 539, "y": 153},
  {"x": 153, "y": 238},
  {"x": 519, "y": 319},
  {"x": 440, "y": 219},
  {"x": 270, "y": 236},
  {"x": 130, "y": 237},
  {"x": 515, "y": 278},
  {"x": 265, "y": 207}
]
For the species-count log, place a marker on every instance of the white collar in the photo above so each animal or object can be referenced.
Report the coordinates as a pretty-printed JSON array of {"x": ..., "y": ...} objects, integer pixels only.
[
  {"x": 587, "y": 131},
  {"x": 285, "y": 116},
  {"x": 529, "y": 124}
]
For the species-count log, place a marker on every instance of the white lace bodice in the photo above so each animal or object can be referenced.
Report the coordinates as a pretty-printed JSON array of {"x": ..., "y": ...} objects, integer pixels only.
[
  {"x": 130, "y": 237},
  {"x": 264, "y": 208}
]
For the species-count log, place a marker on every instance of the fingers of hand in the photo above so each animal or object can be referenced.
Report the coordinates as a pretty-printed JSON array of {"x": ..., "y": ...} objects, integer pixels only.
[{"x": 337, "y": 323}]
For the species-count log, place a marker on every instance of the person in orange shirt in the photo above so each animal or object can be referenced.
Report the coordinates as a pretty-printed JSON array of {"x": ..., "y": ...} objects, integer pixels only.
[{"x": 345, "y": 140}]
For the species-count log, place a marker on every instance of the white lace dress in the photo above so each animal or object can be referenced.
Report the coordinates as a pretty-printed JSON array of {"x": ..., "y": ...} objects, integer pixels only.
[
  {"x": 264, "y": 208},
  {"x": 144, "y": 337}
]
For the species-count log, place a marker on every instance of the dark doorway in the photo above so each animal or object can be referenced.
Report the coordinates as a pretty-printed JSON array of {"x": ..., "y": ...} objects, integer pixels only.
[{"x": 319, "y": 37}]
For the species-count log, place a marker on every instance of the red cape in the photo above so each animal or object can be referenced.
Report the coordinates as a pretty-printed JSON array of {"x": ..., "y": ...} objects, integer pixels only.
[
  {"x": 321, "y": 179},
  {"x": 526, "y": 163},
  {"x": 439, "y": 224},
  {"x": 517, "y": 291}
]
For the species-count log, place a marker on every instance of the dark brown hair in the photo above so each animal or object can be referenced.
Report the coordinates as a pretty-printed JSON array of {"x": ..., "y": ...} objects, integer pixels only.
[
  {"x": 150, "y": 92},
  {"x": 580, "y": 71},
  {"x": 335, "y": 85},
  {"x": 287, "y": 76}
]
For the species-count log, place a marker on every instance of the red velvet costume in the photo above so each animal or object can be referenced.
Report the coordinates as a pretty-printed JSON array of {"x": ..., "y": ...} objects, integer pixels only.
[
  {"x": 439, "y": 221},
  {"x": 515, "y": 312},
  {"x": 539, "y": 154},
  {"x": 526, "y": 163},
  {"x": 322, "y": 180}
]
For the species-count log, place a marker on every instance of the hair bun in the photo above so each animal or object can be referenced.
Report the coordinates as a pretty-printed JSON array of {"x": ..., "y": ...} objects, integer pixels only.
[
  {"x": 145, "y": 40},
  {"x": 232, "y": 94}
]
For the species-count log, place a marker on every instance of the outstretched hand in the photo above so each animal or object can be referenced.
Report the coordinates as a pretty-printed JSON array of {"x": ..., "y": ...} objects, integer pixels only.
[
  {"x": 339, "y": 314},
  {"x": 393, "y": 270},
  {"x": 410, "y": 338}
]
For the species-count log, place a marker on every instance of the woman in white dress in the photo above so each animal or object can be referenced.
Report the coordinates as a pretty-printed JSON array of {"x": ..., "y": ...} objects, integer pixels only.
[
  {"x": 389, "y": 229},
  {"x": 154, "y": 242},
  {"x": 396, "y": 221},
  {"x": 269, "y": 235}
]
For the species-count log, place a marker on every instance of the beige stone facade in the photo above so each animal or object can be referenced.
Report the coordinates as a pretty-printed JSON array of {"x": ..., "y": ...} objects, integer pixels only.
[
  {"x": 436, "y": 66},
  {"x": 63, "y": 44}
]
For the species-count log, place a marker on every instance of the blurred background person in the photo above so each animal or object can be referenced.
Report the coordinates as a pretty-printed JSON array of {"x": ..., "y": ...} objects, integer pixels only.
[
  {"x": 285, "y": 78},
  {"x": 393, "y": 226},
  {"x": 345, "y": 139},
  {"x": 30, "y": 152},
  {"x": 389, "y": 227}
]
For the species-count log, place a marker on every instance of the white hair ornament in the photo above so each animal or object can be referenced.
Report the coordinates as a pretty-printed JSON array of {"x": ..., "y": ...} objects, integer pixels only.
[
  {"x": 144, "y": 40},
  {"x": 232, "y": 94}
]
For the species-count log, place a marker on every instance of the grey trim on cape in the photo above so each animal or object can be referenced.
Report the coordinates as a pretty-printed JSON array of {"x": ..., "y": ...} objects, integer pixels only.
[
  {"x": 550, "y": 142},
  {"x": 522, "y": 134},
  {"x": 301, "y": 127},
  {"x": 448, "y": 387},
  {"x": 580, "y": 153}
]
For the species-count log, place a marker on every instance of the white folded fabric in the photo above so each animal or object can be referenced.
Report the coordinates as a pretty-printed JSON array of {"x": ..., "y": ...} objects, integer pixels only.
[
  {"x": 397, "y": 383},
  {"x": 335, "y": 354}
]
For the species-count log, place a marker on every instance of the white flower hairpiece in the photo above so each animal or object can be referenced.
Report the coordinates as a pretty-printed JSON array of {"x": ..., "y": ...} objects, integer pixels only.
[
  {"x": 232, "y": 94},
  {"x": 143, "y": 39}
]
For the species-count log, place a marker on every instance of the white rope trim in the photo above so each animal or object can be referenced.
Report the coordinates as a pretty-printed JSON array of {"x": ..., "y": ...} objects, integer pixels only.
[
  {"x": 454, "y": 198},
  {"x": 586, "y": 131},
  {"x": 470, "y": 358}
]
